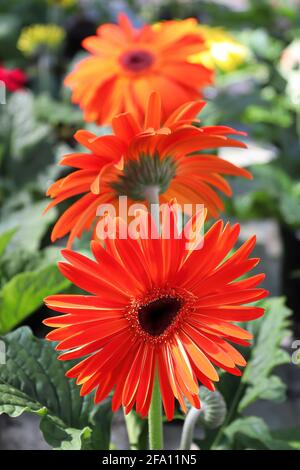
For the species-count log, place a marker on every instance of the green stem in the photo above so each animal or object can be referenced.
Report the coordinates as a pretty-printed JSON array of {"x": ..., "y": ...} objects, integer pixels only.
[
  {"x": 152, "y": 195},
  {"x": 155, "y": 412},
  {"x": 155, "y": 419},
  {"x": 189, "y": 428},
  {"x": 44, "y": 72}
]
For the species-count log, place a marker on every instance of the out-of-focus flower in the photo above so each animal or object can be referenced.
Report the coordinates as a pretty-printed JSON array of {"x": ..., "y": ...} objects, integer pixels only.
[
  {"x": 289, "y": 67},
  {"x": 156, "y": 305},
  {"x": 256, "y": 153},
  {"x": 290, "y": 58},
  {"x": 160, "y": 153},
  {"x": 14, "y": 79},
  {"x": 39, "y": 37},
  {"x": 126, "y": 64},
  {"x": 223, "y": 51},
  {"x": 63, "y": 3}
]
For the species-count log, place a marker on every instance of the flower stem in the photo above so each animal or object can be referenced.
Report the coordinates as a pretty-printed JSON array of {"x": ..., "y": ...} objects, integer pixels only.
[
  {"x": 155, "y": 412},
  {"x": 155, "y": 419},
  {"x": 44, "y": 72},
  {"x": 189, "y": 428},
  {"x": 152, "y": 195}
]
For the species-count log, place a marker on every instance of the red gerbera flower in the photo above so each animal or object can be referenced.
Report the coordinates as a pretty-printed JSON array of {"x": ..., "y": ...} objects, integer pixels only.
[
  {"x": 156, "y": 306},
  {"x": 127, "y": 63},
  {"x": 14, "y": 79},
  {"x": 157, "y": 153}
]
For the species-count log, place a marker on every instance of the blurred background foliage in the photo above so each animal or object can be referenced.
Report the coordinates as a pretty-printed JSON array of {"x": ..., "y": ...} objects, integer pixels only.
[{"x": 257, "y": 89}]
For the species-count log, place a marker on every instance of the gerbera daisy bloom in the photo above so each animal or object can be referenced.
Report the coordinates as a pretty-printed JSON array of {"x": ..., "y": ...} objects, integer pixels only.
[
  {"x": 135, "y": 157},
  {"x": 127, "y": 63},
  {"x": 155, "y": 305}
]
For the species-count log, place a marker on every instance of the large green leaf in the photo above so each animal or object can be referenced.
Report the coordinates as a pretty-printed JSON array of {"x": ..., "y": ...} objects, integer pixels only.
[
  {"x": 5, "y": 238},
  {"x": 25, "y": 292},
  {"x": 22, "y": 261},
  {"x": 33, "y": 380},
  {"x": 266, "y": 354},
  {"x": 27, "y": 145},
  {"x": 26, "y": 277},
  {"x": 30, "y": 222},
  {"x": 272, "y": 193},
  {"x": 290, "y": 436},
  {"x": 290, "y": 206},
  {"x": 26, "y": 132},
  {"x": 252, "y": 432},
  {"x": 57, "y": 112}
]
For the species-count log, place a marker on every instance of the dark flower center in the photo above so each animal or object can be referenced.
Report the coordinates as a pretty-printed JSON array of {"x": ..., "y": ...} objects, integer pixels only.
[
  {"x": 159, "y": 313},
  {"x": 137, "y": 60},
  {"x": 157, "y": 316}
]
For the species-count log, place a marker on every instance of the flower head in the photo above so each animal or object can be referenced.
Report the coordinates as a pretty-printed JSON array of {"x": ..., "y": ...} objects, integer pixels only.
[
  {"x": 135, "y": 157},
  {"x": 155, "y": 305},
  {"x": 125, "y": 64},
  {"x": 223, "y": 51},
  {"x": 40, "y": 36},
  {"x": 13, "y": 79}
]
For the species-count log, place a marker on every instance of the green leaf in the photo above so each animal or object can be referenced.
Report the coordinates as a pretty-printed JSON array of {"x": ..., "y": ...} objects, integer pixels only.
[
  {"x": 27, "y": 145},
  {"x": 272, "y": 193},
  {"x": 252, "y": 432},
  {"x": 32, "y": 224},
  {"x": 56, "y": 112},
  {"x": 266, "y": 354},
  {"x": 262, "y": 43},
  {"x": 137, "y": 431},
  {"x": 25, "y": 292},
  {"x": 18, "y": 261},
  {"x": 290, "y": 436},
  {"x": 22, "y": 261},
  {"x": 5, "y": 239},
  {"x": 290, "y": 208},
  {"x": 26, "y": 131},
  {"x": 267, "y": 388},
  {"x": 33, "y": 380}
]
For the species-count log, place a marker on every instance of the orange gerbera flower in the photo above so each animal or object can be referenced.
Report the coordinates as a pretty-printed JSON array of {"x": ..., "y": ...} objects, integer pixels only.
[
  {"x": 136, "y": 157},
  {"x": 156, "y": 304},
  {"x": 128, "y": 63}
]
